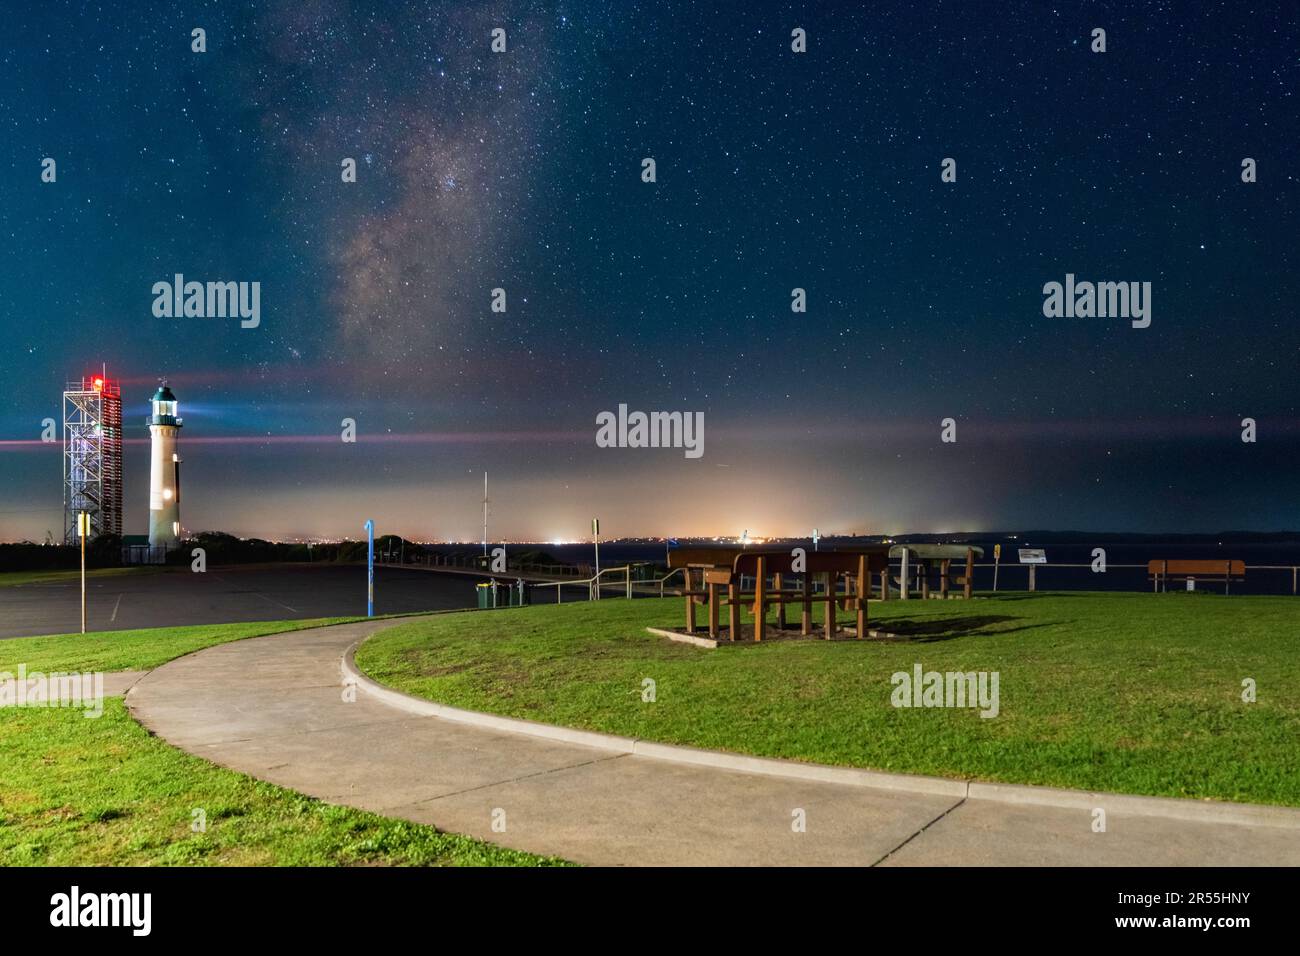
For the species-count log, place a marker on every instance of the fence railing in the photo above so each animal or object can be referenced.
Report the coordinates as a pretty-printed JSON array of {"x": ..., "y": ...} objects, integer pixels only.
[
  {"x": 1008, "y": 581},
  {"x": 1209, "y": 578},
  {"x": 662, "y": 581},
  {"x": 477, "y": 562},
  {"x": 1016, "y": 577},
  {"x": 593, "y": 583}
]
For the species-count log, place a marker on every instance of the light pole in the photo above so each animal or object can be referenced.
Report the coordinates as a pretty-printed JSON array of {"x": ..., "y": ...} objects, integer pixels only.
[
  {"x": 83, "y": 531},
  {"x": 370, "y": 569},
  {"x": 595, "y": 531}
]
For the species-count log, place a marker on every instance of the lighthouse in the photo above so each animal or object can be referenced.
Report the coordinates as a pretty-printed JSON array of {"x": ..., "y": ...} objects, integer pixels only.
[{"x": 164, "y": 471}]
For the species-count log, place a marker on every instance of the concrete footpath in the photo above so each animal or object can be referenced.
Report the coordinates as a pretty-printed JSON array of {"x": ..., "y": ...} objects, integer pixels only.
[{"x": 275, "y": 708}]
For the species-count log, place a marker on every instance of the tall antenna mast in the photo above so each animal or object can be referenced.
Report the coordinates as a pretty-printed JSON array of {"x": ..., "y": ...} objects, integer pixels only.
[{"x": 485, "y": 504}]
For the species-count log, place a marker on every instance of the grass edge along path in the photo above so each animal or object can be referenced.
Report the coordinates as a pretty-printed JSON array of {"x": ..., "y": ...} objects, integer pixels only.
[
  {"x": 104, "y": 791},
  {"x": 1121, "y": 692},
  {"x": 138, "y": 650}
]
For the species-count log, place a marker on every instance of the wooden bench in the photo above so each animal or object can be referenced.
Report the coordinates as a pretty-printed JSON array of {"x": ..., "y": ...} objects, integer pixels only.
[
  {"x": 928, "y": 557},
  {"x": 695, "y": 564},
  {"x": 1161, "y": 571},
  {"x": 710, "y": 567}
]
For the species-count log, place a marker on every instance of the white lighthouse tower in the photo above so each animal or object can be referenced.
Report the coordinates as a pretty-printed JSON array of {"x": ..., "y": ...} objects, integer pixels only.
[{"x": 164, "y": 471}]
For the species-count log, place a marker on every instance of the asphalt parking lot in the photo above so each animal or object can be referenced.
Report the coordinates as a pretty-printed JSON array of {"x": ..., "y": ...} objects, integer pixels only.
[{"x": 174, "y": 597}]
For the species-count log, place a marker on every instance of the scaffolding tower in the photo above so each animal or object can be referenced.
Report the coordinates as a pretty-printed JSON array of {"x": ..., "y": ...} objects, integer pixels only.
[{"x": 92, "y": 456}]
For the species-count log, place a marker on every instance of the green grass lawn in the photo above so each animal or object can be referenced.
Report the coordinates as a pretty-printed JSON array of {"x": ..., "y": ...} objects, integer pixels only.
[
  {"x": 1137, "y": 693},
  {"x": 82, "y": 792},
  {"x": 135, "y": 650}
]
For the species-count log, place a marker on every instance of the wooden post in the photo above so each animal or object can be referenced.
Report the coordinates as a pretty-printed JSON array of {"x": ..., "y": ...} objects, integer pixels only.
[
  {"x": 690, "y": 601},
  {"x": 714, "y": 598},
  {"x": 923, "y": 568},
  {"x": 864, "y": 590},
  {"x": 760, "y": 612},
  {"x": 969, "y": 588},
  {"x": 780, "y": 601},
  {"x": 904, "y": 578},
  {"x": 733, "y": 608},
  {"x": 1031, "y": 576},
  {"x": 805, "y": 617},
  {"x": 944, "y": 567},
  {"x": 830, "y": 605},
  {"x": 884, "y": 581}
]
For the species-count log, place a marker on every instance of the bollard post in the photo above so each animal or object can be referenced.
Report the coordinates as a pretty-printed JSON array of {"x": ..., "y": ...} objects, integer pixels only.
[
  {"x": 805, "y": 615},
  {"x": 830, "y": 605},
  {"x": 690, "y": 602},
  {"x": 864, "y": 590}
]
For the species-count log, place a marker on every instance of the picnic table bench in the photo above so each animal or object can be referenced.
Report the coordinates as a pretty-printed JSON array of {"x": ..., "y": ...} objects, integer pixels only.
[
  {"x": 715, "y": 569},
  {"x": 930, "y": 556},
  {"x": 1161, "y": 571}
]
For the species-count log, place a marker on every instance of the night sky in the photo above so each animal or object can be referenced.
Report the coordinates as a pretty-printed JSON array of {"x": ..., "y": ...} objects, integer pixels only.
[{"x": 775, "y": 170}]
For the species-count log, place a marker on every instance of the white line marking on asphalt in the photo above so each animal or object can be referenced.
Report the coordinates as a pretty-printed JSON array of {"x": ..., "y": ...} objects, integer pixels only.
[
  {"x": 115, "y": 604},
  {"x": 261, "y": 595},
  {"x": 274, "y": 601}
]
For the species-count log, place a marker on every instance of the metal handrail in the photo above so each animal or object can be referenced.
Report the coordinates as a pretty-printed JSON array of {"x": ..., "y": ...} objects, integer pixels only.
[
  {"x": 593, "y": 583},
  {"x": 661, "y": 581}
]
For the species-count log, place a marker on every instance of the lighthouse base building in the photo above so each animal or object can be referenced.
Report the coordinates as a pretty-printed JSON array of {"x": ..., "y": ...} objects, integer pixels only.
[{"x": 164, "y": 472}]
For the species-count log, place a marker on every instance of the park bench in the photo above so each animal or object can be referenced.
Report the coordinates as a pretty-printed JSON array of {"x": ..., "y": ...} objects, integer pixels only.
[
  {"x": 930, "y": 556},
  {"x": 1162, "y": 571},
  {"x": 718, "y": 569},
  {"x": 695, "y": 563}
]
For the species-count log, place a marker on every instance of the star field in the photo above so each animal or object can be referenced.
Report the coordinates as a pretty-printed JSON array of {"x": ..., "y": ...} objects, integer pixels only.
[{"x": 775, "y": 170}]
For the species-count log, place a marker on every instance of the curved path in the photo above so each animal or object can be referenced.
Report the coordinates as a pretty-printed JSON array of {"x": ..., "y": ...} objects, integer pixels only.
[{"x": 274, "y": 707}]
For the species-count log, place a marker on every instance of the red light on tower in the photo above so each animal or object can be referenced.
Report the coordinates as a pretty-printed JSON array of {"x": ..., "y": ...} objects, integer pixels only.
[{"x": 98, "y": 383}]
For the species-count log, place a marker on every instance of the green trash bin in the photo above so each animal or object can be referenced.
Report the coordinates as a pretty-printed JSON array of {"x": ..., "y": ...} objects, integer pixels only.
[{"x": 506, "y": 595}]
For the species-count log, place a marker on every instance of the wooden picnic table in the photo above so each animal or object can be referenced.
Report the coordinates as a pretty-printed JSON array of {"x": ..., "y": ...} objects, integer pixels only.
[{"x": 717, "y": 568}]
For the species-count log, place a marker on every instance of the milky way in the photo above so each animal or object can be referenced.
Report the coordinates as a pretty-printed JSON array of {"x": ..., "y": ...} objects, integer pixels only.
[{"x": 521, "y": 170}]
